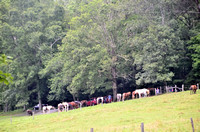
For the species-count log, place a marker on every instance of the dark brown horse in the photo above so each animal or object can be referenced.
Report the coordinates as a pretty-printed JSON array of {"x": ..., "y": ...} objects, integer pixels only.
[
  {"x": 151, "y": 91},
  {"x": 193, "y": 89},
  {"x": 84, "y": 103},
  {"x": 126, "y": 95},
  {"x": 74, "y": 104},
  {"x": 29, "y": 112}
]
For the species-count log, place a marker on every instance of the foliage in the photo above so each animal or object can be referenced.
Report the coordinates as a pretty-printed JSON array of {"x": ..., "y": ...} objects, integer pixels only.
[
  {"x": 67, "y": 50},
  {"x": 157, "y": 51},
  {"x": 31, "y": 40},
  {"x": 195, "y": 54},
  {"x": 4, "y": 77}
]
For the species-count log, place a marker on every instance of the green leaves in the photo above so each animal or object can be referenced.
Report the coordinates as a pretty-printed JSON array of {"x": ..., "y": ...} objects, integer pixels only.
[
  {"x": 157, "y": 51},
  {"x": 81, "y": 48},
  {"x": 5, "y": 77},
  {"x": 195, "y": 49}
]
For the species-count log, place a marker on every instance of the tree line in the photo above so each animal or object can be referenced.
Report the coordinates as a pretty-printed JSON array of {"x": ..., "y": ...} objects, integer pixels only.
[{"x": 62, "y": 50}]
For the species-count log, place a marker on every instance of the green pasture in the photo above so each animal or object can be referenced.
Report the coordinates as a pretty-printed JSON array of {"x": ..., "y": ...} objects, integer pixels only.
[{"x": 164, "y": 113}]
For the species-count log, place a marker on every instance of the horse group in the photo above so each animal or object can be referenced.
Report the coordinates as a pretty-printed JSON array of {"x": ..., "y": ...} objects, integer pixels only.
[
  {"x": 65, "y": 106},
  {"x": 121, "y": 97},
  {"x": 138, "y": 93}
]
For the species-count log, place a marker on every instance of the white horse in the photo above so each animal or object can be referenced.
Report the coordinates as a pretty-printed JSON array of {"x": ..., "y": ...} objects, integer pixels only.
[
  {"x": 100, "y": 98},
  {"x": 47, "y": 108},
  {"x": 60, "y": 107},
  {"x": 142, "y": 91},
  {"x": 119, "y": 96},
  {"x": 66, "y": 105}
]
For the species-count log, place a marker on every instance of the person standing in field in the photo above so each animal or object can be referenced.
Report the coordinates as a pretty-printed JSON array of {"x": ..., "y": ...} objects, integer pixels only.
[{"x": 157, "y": 91}]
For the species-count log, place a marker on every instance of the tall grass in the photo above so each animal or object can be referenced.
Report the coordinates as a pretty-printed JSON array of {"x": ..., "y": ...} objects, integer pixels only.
[{"x": 163, "y": 113}]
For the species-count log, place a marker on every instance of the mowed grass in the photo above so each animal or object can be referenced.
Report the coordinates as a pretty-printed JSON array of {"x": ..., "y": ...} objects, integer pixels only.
[{"x": 163, "y": 113}]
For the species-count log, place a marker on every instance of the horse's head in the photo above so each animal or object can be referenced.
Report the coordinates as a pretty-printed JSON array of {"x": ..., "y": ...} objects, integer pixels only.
[{"x": 148, "y": 92}]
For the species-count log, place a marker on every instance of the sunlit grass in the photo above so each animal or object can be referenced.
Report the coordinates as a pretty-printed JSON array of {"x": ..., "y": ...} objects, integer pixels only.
[{"x": 168, "y": 112}]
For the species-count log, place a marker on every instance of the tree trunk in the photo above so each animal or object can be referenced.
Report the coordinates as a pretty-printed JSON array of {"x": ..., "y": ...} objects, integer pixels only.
[
  {"x": 24, "y": 107},
  {"x": 74, "y": 97},
  {"x": 163, "y": 16},
  {"x": 114, "y": 77},
  {"x": 39, "y": 94},
  {"x": 39, "y": 100},
  {"x": 111, "y": 50},
  {"x": 6, "y": 107},
  {"x": 114, "y": 85}
]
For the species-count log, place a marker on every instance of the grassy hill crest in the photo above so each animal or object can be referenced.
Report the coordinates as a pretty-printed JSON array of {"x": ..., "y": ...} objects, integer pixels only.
[{"x": 167, "y": 112}]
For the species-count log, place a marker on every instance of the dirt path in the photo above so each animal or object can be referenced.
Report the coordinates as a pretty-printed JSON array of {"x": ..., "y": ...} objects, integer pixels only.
[{"x": 37, "y": 112}]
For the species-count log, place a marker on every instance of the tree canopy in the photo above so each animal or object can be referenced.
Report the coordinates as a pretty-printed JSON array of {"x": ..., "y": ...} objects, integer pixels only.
[{"x": 65, "y": 50}]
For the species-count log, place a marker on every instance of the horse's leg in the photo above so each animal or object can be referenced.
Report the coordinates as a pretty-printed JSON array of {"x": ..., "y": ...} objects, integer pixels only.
[{"x": 67, "y": 107}]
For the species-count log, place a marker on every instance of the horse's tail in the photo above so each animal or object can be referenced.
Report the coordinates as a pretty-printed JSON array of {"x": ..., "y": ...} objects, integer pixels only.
[{"x": 133, "y": 95}]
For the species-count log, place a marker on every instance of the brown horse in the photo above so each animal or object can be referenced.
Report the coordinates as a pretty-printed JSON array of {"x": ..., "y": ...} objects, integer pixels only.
[
  {"x": 74, "y": 104},
  {"x": 29, "y": 112},
  {"x": 134, "y": 93},
  {"x": 193, "y": 89},
  {"x": 126, "y": 95},
  {"x": 84, "y": 103},
  {"x": 151, "y": 91}
]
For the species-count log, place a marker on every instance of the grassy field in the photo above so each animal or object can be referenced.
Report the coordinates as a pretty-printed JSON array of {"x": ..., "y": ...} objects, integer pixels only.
[{"x": 163, "y": 113}]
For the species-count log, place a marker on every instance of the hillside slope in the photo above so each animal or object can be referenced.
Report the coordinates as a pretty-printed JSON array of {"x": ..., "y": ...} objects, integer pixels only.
[{"x": 168, "y": 112}]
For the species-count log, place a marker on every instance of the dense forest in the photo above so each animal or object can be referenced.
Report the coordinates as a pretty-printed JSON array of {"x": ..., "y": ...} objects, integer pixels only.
[{"x": 63, "y": 50}]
